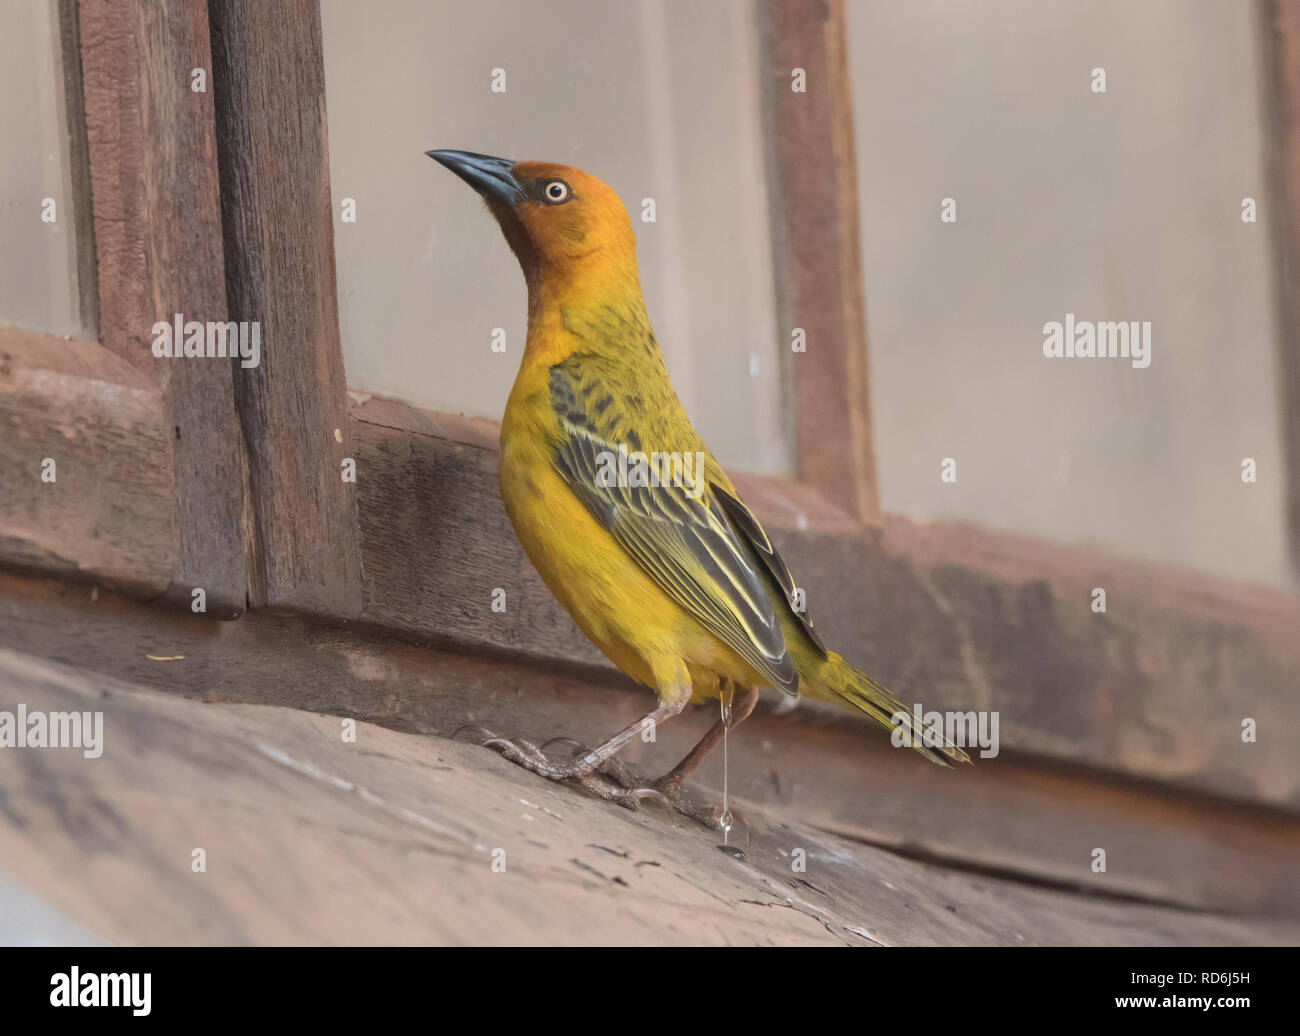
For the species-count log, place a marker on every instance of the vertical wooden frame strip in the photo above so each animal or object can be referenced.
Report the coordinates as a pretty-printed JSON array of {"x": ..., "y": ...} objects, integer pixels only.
[
  {"x": 816, "y": 201},
  {"x": 279, "y": 246},
  {"x": 152, "y": 150},
  {"x": 1281, "y": 46},
  {"x": 74, "y": 107}
]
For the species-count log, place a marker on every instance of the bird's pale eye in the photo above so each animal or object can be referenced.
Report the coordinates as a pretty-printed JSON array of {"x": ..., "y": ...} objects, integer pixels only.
[{"x": 556, "y": 192}]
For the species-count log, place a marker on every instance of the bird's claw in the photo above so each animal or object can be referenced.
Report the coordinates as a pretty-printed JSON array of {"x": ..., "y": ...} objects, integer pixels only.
[
  {"x": 530, "y": 757},
  {"x": 613, "y": 767},
  {"x": 524, "y": 753},
  {"x": 483, "y": 733},
  {"x": 629, "y": 798},
  {"x": 626, "y": 793}
]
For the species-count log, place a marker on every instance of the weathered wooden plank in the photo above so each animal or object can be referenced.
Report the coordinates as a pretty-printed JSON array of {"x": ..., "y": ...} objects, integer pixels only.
[
  {"x": 818, "y": 255},
  {"x": 309, "y": 838},
  {"x": 1007, "y": 816},
  {"x": 438, "y": 552},
  {"x": 107, "y": 516},
  {"x": 152, "y": 149},
  {"x": 279, "y": 241}
]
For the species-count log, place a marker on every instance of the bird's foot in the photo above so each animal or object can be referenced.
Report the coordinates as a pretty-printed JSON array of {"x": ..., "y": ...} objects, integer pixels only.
[
  {"x": 627, "y": 797},
  {"x": 609, "y": 779},
  {"x": 670, "y": 788},
  {"x": 530, "y": 757},
  {"x": 584, "y": 768},
  {"x": 613, "y": 767},
  {"x": 673, "y": 788},
  {"x": 624, "y": 786}
]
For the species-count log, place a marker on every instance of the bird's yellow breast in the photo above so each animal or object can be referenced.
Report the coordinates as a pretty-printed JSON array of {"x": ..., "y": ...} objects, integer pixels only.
[{"x": 614, "y": 602}]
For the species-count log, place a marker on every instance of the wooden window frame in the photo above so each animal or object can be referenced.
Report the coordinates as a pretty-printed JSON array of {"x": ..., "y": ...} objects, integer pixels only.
[
  {"x": 176, "y": 475},
  {"x": 149, "y": 490}
]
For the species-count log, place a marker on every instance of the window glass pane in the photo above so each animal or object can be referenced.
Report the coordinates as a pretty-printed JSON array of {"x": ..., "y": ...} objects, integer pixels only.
[
  {"x": 660, "y": 100},
  {"x": 1116, "y": 206},
  {"x": 38, "y": 266}
]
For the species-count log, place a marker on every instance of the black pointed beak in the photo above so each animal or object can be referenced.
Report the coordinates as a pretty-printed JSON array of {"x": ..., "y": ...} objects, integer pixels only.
[{"x": 491, "y": 177}]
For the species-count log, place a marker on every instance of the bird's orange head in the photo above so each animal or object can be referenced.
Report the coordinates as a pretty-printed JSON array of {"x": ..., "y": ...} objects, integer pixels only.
[{"x": 555, "y": 217}]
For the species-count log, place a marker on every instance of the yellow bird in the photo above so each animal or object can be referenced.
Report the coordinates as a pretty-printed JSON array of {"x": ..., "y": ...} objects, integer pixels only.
[{"x": 625, "y": 513}]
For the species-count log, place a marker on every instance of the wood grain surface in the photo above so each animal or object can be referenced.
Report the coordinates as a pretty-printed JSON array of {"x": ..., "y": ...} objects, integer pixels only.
[
  {"x": 157, "y": 234},
  {"x": 392, "y": 838}
]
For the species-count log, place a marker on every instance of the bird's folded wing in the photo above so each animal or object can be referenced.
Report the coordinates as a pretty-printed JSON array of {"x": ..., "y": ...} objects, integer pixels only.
[
  {"x": 743, "y": 520},
  {"x": 682, "y": 539}
]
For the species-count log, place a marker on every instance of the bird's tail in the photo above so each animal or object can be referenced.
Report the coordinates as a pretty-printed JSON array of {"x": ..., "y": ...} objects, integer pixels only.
[{"x": 833, "y": 679}]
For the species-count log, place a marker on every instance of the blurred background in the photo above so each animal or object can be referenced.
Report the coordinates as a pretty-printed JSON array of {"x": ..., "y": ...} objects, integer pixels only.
[{"x": 1118, "y": 206}]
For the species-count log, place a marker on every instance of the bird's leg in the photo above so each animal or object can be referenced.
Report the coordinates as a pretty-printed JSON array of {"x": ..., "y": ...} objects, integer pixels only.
[
  {"x": 612, "y": 767},
  {"x": 672, "y": 783},
  {"x": 629, "y": 791},
  {"x": 588, "y": 764},
  {"x": 530, "y": 757},
  {"x": 622, "y": 773},
  {"x": 740, "y": 711}
]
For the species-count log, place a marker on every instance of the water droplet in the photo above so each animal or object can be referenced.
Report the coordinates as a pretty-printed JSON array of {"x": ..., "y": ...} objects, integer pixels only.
[{"x": 726, "y": 693}]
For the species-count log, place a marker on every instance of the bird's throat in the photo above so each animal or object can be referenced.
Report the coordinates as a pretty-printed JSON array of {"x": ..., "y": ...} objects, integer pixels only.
[{"x": 584, "y": 305}]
